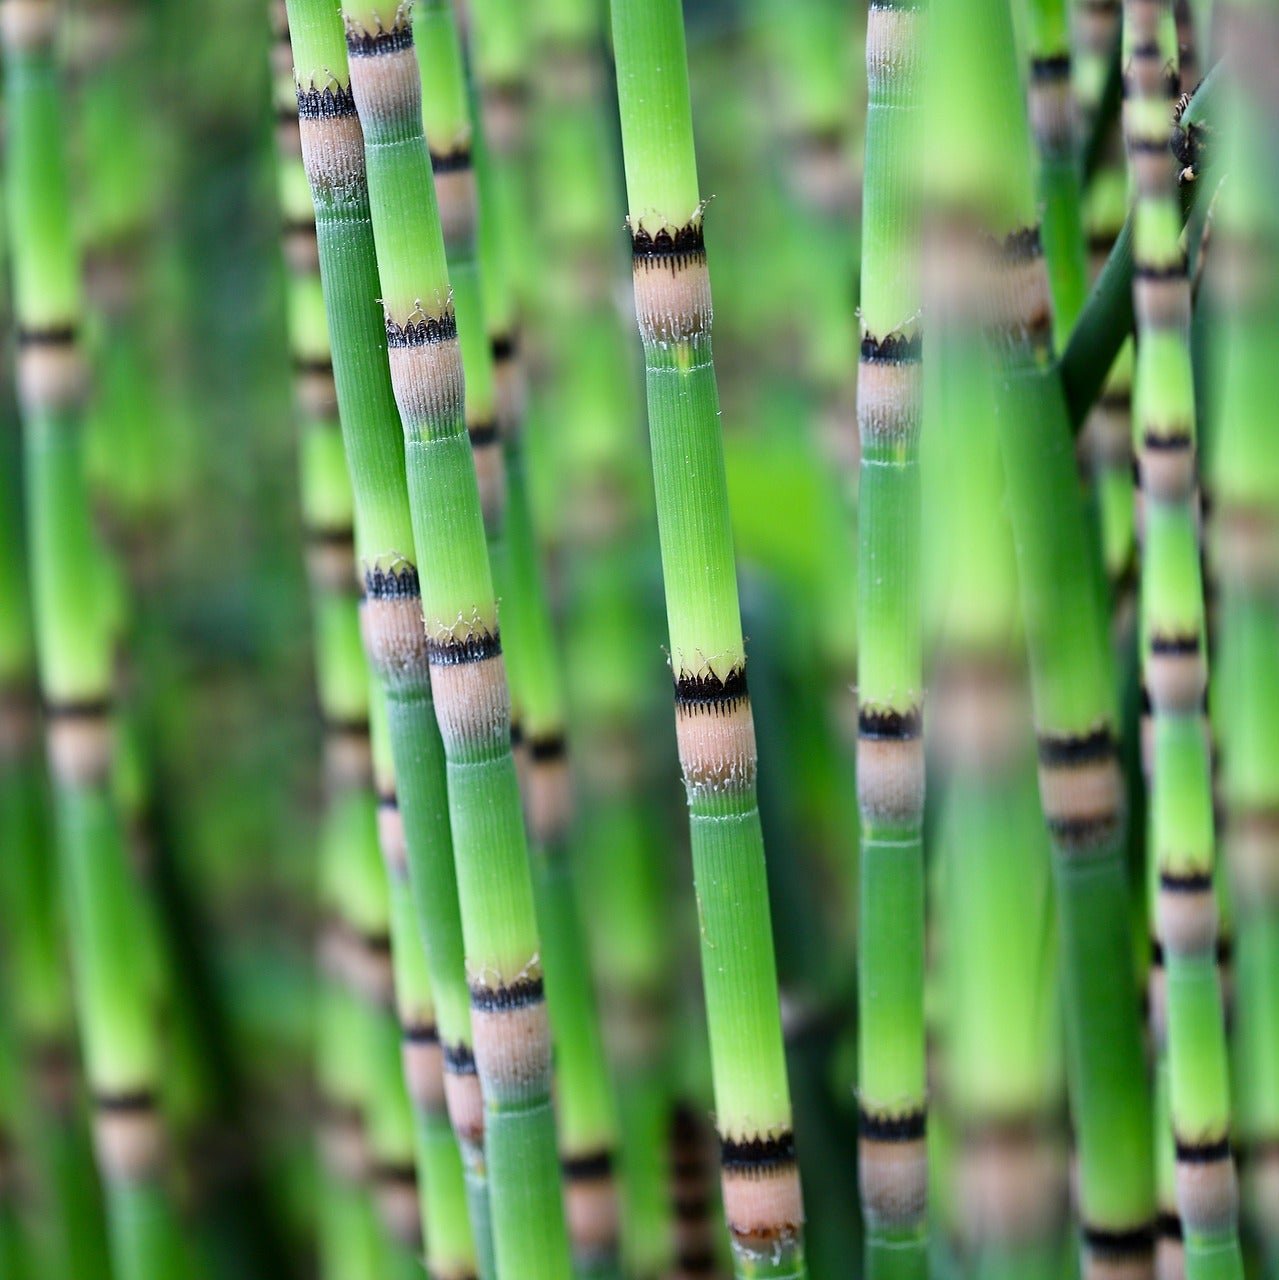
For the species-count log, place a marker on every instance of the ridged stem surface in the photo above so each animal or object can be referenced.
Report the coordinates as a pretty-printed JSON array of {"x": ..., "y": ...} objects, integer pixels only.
[{"x": 714, "y": 724}]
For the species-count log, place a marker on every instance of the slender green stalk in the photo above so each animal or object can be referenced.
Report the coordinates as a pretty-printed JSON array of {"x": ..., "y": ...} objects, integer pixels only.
[
  {"x": 333, "y": 152},
  {"x": 1175, "y": 662},
  {"x": 587, "y": 393},
  {"x": 1107, "y": 431},
  {"x": 890, "y": 762},
  {"x": 118, "y": 1022},
  {"x": 810, "y": 49},
  {"x": 1001, "y": 1068},
  {"x": 446, "y": 117},
  {"x": 714, "y": 725},
  {"x": 396, "y": 1145},
  {"x": 1244, "y": 470},
  {"x": 461, "y": 641},
  {"x": 982, "y": 179},
  {"x": 444, "y": 1213},
  {"x": 48, "y": 1145},
  {"x": 1052, "y": 120},
  {"x": 1095, "y": 26},
  {"x": 586, "y": 1121}
]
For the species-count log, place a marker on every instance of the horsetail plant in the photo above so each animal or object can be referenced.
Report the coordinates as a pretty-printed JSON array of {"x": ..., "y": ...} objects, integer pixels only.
[
  {"x": 118, "y": 1022},
  {"x": 1052, "y": 121},
  {"x": 713, "y": 721},
  {"x": 48, "y": 1147},
  {"x": 1000, "y": 1061},
  {"x": 1244, "y": 468},
  {"x": 981, "y": 183},
  {"x": 468, "y": 678},
  {"x": 443, "y": 1211},
  {"x": 333, "y": 154},
  {"x": 586, "y": 388},
  {"x": 892, "y": 1101},
  {"x": 446, "y": 116},
  {"x": 1174, "y": 658},
  {"x": 585, "y": 1108}
]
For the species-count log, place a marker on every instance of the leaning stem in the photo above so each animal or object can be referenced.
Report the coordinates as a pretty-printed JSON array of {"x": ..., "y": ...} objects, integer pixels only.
[{"x": 463, "y": 651}]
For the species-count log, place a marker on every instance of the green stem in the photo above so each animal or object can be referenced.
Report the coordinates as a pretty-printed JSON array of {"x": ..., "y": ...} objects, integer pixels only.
[{"x": 714, "y": 725}]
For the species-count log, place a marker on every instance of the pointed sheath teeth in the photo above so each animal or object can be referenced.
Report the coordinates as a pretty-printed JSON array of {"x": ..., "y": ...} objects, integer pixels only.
[
  {"x": 1176, "y": 672},
  {"x": 423, "y": 1059},
  {"x": 455, "y": 194},
  {"x": 1167, "y": 459},
  {"x": 888, "y": 387},
  {"x": 395, "y": 1190},
  {"x": 1081, "y": 788},
  {"x": 512, "y": 1039},
  {"x": 391, "y": 619},
  {"x": 332, "y": 142},
  {"x": 890, "y": 764},
  {"x": 1118, "y": 1253},
  {"x": 1052, "y": 103},
  {"x": 463, "y": 1095},
  {"x": 763, "y": 1204},
  {"x": 672, "y": 283},
  {"x": 1207, "y": 1188},
  {"x": 549, "y": 792},
  {"x": 468, "y": 680},
  {"x": 715, "y": 731},
  {"x": 385, "y": 78},
  {"x": 426, "y": 370},
  {"x": 893, "y": 1167},
  {"x": 1020, "y": 298},
  {"x": 591, "y": 1205}
]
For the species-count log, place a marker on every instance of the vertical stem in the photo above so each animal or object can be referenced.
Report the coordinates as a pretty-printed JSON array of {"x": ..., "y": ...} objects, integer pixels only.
[
  {"x": 333, "y": 154},
  {"x": 464, "y": 651},
  {"x": 118, "y": 1020},
  {"x": 1175, "y": 660},
  {"x": 892, "y": 1095},
  {"x": 713, "y": 719}
]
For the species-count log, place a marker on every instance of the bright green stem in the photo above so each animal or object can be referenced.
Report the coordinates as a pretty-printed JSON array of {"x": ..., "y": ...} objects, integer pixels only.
[{"x": 1072, "y": 685}]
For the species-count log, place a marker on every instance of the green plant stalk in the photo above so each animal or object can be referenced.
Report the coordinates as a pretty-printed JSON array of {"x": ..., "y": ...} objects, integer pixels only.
[
  {"x": 808, "y": 49},
  {"x": 508, "y": 1007},
  {"x": 714, "y": 726},
  {"x": 446, "y": 117},
  {"x": 374, "y": 446},
  {"x": 1107, "y": 317},
  {"x": 348, "y": 705},
  {"x": 16, "y": 1244},
  {"x": 1052, "y": 117},
  {"x": 989, "y": 183},
  {"x": 586, "y": 1121},
  {"x": 604, "y": 526},
  {"x": 1107, "y": 432},
  {"x": 1175, "y": 662},
  {"x": 892, "y": 1098},
  {"x": 118, "y": 1023},
  {"x": 999, "y": 1009},
  {"x": 128, "y": 474},
  {"x": 43, "y": 1019},
  {"x": 444, "y": 1210},
  {"x": 1243, "y": 547},
  {"x": 1096, "y": 28}
]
